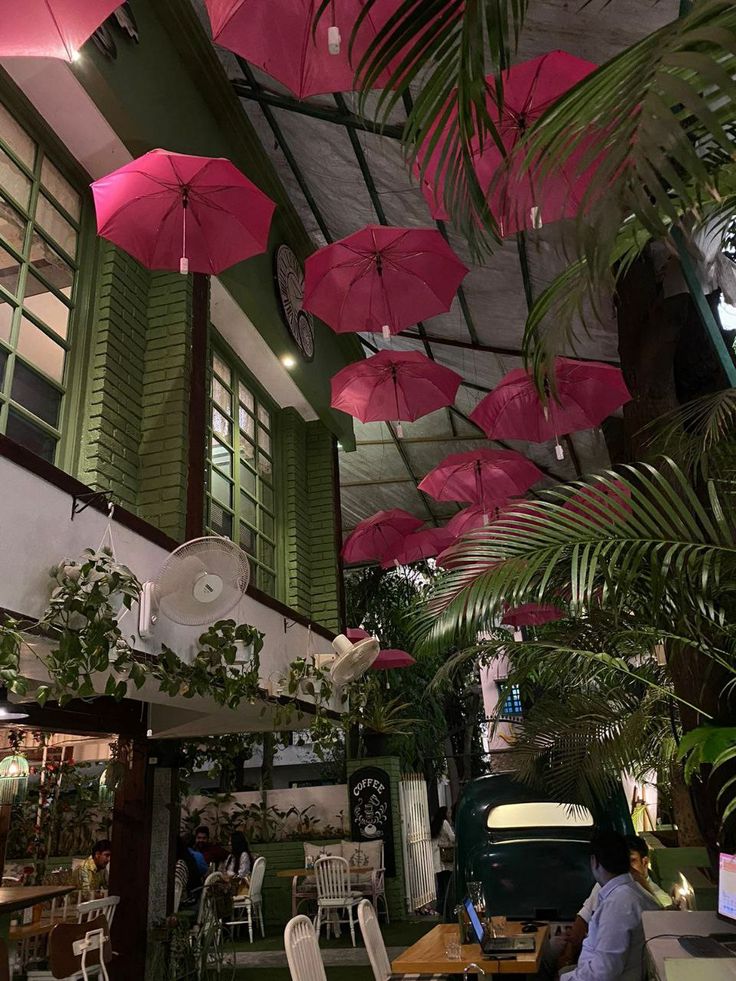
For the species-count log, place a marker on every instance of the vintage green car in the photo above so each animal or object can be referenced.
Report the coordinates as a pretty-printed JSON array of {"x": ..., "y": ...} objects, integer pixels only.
[{"x": 531, "y": 855}]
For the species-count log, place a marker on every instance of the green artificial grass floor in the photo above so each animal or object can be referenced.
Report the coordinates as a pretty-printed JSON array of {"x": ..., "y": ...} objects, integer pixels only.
[{"x": 402, "y": 934}]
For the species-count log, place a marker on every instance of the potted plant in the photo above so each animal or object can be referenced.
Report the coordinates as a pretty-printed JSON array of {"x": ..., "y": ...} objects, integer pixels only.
[{"x": 383, "y": 719}]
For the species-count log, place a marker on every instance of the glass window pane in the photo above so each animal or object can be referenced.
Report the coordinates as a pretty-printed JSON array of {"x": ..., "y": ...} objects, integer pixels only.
[
  {"x": 267, "y": 496},
  {"x": 247, "y": 451},
  {"x": 266, "y": 581},
  {"x": 246, "y": 397},
  {"x": 222, "y": 457},
  {"x": 9, "y": 269},
  {"x": 41, "y": 350},
  {"x": 267, "y": 526},
  {"x": 221, "y": 488},
  {"x": 222, "y": 426},
  {"x": 13, "y": 181},
  {"x": 23, "y": 431},
  {"x": 221, "y": 395},
  {"x": 51, "y": 266},
  {"x": 264, "y": 417},
  {"x": 6, "y": 319},
  {"x": 265, "y": 467},
  {"x": 55, "y": 224},
  {"x": 219, "y": 366},
  {"x": 35, "y": 394},
  {"x": 247, "y": 422},
  {"x": 16, "y": 138},
  {"x": 264, "y": 440},
  {"x": 3, "y": 362},
  {"x": 247, "y": 479},
  {"x": 247, "y": 539},
  {"x": 59, "y": 186},
  {"x": 46, "y": 306},
  {"x": 12, "y": 225},
  {"x": 221, "y": 521},
  {"x": 247, "y": 509},
  {"x": 267, "y": 553}
]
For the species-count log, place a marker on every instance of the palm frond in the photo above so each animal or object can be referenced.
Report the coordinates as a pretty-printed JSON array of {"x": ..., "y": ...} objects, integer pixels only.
[{"x": 701, "y": 434}]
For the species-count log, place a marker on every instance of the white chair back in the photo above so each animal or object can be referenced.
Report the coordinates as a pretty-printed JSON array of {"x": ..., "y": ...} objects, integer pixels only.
[
  {"x": 207, "y": 913},
  {"x": 94, "y": 940},
  {"x": 181, "y": 877},
  {"x": 373, "y": 940},
  {"x": 333, "y": 877},
  {"x": 256, "y": 879},
  {"x": 302, "y": 951},
  {"x": 98, "y": 907}
]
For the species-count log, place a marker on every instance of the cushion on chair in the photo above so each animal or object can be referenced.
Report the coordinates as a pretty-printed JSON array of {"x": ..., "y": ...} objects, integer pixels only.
[
  {"x": 362, "y": 853},
  {"x": 314, "y": 849}
]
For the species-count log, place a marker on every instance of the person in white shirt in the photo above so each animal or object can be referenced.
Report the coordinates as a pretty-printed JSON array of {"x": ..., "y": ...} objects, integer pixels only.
[
  {"x": 639, "y": 868},
  {"x": 613, "y": 949},
  {"x": 240, "y": 861},
  {"x": 443, "y": 837}
]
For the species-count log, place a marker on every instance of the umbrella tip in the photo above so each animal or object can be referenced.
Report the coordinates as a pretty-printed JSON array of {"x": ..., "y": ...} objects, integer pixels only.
[{"x": 333, "y": 39}]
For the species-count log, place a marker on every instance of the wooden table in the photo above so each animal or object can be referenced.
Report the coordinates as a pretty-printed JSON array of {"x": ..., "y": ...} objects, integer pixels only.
[
  {"x": 13, "y": 899},
  {"x": 290, "y": 873},
  {"x": 427, "y": 956}
]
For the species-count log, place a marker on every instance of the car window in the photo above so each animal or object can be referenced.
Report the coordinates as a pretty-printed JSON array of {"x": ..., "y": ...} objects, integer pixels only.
[{"x": 539, "y": 814}]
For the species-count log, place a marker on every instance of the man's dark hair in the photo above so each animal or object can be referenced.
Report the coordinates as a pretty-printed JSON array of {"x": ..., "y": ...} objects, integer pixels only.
[
  {"x": 611, "y": 850},
  {"x": 637, "y": 844},
  {"x": 103, "y": 845},
  {"x": 202, "y": 830}
]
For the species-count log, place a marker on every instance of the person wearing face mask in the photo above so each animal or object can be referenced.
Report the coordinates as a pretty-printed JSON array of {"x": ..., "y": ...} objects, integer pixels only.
[{"x": 612, "y": 950}]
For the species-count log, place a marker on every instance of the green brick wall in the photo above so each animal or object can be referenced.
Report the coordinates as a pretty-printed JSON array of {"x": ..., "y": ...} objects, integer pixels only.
[{"x": 297, "y": 539}]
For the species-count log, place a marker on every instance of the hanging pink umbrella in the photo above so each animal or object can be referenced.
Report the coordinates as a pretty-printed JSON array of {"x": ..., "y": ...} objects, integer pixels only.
[
  {"x": 147, "y": 206},
  {"x": 49, "y": 28},
  {"x": 382, "y": 279},
  {"x": 354, "y": 634},
  {"x": 277, "y": 36},
  {"x": 520, "y": 199},
  {"x": 419, "y": 545},
  {"x": 600, "y": 500},
  {"x": 484, "y": 477},
  {"x": 531, "y": 615},
  {"x": 392, "y": 658},
  {"x": 586, "y": 393},
  {"x": 393, "y": 386},
  {"x": 376, "y": 537}
]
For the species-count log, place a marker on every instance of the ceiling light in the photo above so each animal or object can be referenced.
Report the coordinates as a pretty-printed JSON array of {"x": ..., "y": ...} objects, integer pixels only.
[{"x": 288, "y": 361}]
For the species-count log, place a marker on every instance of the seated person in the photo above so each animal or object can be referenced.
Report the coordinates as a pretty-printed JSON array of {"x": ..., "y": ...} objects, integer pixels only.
[
  {"x": 613, "y": 949},
  {"x": 213, "y": 853},
  {"x": 239, "y": 862},
  {"x": 639, "y": 861},
  {"x": 91, "y": 876},
  {"x": 187, "y": 874},
  {"x": 199, "y": 860}
]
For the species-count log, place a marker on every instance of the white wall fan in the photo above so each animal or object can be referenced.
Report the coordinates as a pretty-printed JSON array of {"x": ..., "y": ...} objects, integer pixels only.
[
  {"x": 199, "y": 583},
  {"x": 350, "y": 661}
]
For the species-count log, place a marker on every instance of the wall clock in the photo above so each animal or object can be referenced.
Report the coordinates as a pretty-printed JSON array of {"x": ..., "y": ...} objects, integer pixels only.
[{"x": 290, "y": 286}]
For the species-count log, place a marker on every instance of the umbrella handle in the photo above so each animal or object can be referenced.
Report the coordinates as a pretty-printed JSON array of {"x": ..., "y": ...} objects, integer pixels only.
[
  {"x": 333, "y": 34},
  {"x": 184, "y": 261}
]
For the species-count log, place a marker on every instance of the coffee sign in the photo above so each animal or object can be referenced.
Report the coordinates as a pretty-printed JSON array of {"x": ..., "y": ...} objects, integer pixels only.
[{"x": 371, "y": 817}]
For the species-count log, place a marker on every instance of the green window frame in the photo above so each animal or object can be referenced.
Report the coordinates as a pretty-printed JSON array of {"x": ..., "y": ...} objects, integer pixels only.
[
  {"x": 41, "y": 218},
  {"x": 241, "y": 445}
]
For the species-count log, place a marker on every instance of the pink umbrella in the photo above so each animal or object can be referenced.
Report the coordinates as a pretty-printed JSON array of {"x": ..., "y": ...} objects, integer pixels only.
[
  {"x": 531, "y": 615},
  {"x": 392, "y": 658},
  {"x": 378, "y": 536},
  {"x": 418, "y": 545},
  {"x": 600, "y": 500},
  {"x": 145, "y": 206},
  {"x": 484, "y": 477},
  {"x": 354, "y": 634},
  {"x": 382, "y": 279},
  {"x": 517, "y": 199},
  {"x": 393, "y": 386},
  {"x": 277, "y": 36},
  {"x": 50, "y": 28},
  {"x": 586, "y": 394}
]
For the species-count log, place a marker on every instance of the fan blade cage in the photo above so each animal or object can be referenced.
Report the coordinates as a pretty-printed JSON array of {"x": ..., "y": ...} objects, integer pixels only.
[{"x": 218, "y": 561}]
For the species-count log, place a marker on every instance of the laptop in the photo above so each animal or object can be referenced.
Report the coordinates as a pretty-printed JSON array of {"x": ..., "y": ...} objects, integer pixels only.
[
  {"x": 498, "y": 945},
  {"x": 718, "y": 944}
]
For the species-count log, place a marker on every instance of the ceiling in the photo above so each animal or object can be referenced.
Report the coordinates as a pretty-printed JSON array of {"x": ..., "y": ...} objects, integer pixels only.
[{"x": 341, "y": 175}]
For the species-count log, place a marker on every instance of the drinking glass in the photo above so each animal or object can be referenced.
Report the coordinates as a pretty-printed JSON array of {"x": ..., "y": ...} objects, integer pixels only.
[{"x": 453, "y": 951}]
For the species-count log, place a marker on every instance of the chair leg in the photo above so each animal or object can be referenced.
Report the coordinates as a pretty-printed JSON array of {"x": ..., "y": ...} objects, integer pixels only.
[
  {"x": 260, "y": 919},
  {"x": 385, "y": 906},
  {"x": 352, "y": 924},
  {"x": 250, "y": 923},
  {"x": 318, "y": 922}
]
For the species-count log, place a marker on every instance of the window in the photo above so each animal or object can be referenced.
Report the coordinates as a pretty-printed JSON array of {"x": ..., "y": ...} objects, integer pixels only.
[
  {"x": 40, "y": 213},
  {"x": 542, "y": 814},
  {"x": 240, "y": 480},
  {"x": 511, "y": 709}
]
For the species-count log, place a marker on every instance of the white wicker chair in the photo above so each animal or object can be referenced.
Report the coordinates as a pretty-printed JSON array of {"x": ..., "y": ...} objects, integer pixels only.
[
  {"x": 247, "y": 908},
  {"x": 334, "y": 894},
  {"x": 302, "y": 951}
]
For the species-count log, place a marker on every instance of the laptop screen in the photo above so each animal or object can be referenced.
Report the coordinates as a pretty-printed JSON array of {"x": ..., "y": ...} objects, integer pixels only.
[
  {"x": 474, "y": 919},
  {"x": 727, "y": 887}
]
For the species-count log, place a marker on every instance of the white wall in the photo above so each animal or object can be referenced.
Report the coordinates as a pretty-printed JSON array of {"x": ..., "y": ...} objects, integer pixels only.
[{"x": 329, "y": 803}]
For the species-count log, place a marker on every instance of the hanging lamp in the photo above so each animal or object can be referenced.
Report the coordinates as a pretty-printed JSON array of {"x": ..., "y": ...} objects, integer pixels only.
[{"x": 14, "y": 771}]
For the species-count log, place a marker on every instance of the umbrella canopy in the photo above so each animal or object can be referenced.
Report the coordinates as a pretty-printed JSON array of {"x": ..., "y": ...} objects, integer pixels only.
[
  {"x": 391, "y": 658},
  {"x": 354, "y": 634},
  {"x": 147, "y": 206},
  {"x": 376, "y": 537},
  {"x": 601, "y": 500},
  {"x": 382, "y": 279},
  {"x": 393, "y": 386},
  {"x": 50, "y": 28},
  {"x": 520, "y": 199},
  {"x": 418, "y": 545},
  {"x": 531, "y": 615},
  {"x": 277, "y": 36},
  {"x": 484, "y": 477},
  {"x": 586, "y": 394}
]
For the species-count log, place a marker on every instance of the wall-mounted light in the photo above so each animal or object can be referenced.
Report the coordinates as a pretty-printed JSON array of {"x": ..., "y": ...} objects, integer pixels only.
[{"x": 288, "y": 361}]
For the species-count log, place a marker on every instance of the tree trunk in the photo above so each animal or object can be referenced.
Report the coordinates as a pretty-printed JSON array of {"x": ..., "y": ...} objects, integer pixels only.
[
  {"x": 683, "y": 813},
  {"x": 269, "y": 751}
]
